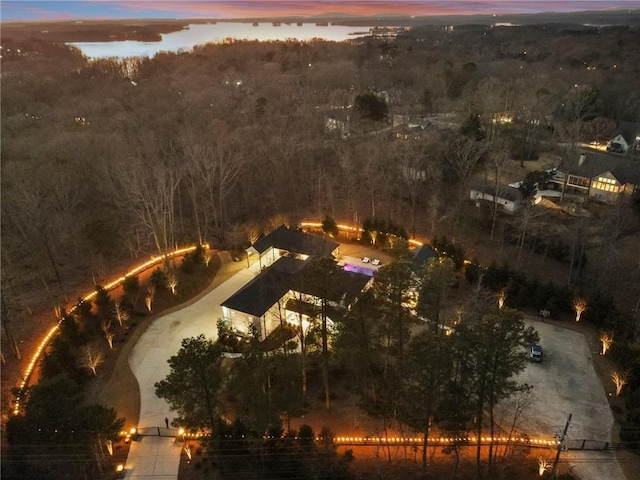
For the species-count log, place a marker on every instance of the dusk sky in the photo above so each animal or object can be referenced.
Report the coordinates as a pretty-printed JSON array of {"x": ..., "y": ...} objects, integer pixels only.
[{"x": 104, "y": 9}]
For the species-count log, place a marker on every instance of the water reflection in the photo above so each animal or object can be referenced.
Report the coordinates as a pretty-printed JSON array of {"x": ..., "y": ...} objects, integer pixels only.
[{"x": 198, "y": 34}]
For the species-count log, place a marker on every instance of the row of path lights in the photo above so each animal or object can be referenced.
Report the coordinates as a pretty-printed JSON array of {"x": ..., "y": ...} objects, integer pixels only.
[{"x": 91, "y": 359}]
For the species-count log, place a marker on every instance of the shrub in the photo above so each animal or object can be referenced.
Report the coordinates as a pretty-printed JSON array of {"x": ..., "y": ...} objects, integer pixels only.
[
  {"x": 131, "y": 287},
  {"x": 329, "y": 226},
  {"x": 103, "y": 302},
  {"x": 83, "y": 309},
  {"x": 193, "y": 260},
  {"x": 159, "y": 279}
]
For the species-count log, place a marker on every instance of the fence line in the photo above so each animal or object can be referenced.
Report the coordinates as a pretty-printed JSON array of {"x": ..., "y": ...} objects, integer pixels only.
[{"x": 573, "y": 444}]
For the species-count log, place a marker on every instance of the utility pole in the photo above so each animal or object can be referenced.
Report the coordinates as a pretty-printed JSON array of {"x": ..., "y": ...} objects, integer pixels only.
[{"x": 554, "y": 472}]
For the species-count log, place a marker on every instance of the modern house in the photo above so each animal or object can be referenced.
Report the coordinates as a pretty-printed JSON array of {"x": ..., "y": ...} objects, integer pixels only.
[
  {"x": 285, "y": 289},
  {"x": 290, "y": 243},
  {"x": 604, "y": 178}
]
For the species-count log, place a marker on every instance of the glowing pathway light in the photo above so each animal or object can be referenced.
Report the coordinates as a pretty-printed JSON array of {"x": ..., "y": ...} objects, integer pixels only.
[
  {"x": 109, "y": 286},
  {"x": 32, "y": 363},
  {"x": 534, "y": 442}
]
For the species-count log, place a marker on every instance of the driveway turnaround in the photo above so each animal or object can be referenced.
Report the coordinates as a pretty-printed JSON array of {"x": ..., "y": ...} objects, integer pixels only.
[
  {"x": 159, "y": 457},
  {"x": 564, "y": 383}
]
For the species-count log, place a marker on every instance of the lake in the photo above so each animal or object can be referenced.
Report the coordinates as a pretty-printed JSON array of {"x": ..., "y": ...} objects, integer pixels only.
[{"x": 199, "y": 34}]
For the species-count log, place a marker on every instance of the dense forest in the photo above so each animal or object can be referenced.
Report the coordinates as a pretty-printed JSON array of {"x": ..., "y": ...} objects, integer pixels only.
[
  {"x": 106, "y": 161},
  {"x": 103, "y": 161}
]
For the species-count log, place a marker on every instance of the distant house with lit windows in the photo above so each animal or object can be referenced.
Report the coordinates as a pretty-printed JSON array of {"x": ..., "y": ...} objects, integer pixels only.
[{"x": 603, "y": 178}]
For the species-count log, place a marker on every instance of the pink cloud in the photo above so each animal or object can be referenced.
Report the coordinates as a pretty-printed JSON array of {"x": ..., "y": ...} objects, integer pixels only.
[
  {"x": 256, "y": 8},
  {"x": 39, "y": 9}
]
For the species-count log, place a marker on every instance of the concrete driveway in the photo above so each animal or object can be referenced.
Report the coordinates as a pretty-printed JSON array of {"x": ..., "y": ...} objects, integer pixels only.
[
  {"x": 159, "y": 457},
  {"x": 565, "y": 382}
]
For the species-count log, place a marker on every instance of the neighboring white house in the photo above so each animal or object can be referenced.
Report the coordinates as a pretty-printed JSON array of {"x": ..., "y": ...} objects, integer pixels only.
[
  {"x": 604, "y": 178},
  {"x": 509, "y": 199},
  {"x": 618, "y": 144},
  {"x": 338, "y": 121}
]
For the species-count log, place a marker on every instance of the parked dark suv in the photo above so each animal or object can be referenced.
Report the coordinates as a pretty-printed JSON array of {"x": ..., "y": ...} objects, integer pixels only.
[{"x": 535, "y": 353}]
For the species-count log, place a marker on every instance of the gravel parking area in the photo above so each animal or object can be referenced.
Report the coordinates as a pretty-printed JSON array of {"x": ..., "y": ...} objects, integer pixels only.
[{"x": 565, "y": 382}]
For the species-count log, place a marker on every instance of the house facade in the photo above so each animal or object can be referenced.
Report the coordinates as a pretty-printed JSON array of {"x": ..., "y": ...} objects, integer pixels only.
[
  {"x": 283, "y": 289},
  {"x": 618, "y": 144},
  {"x": 626, "y": 139},
  {"x": 508, "y": 199},
  {"x": 598, "y": 177}
]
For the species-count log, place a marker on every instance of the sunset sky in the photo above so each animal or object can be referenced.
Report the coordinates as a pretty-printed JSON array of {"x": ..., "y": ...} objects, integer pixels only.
[{"x": 93, "y": 9}]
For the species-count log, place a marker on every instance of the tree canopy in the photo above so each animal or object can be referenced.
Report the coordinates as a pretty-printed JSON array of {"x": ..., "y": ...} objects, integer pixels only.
[{"x": 192, "y": 386}]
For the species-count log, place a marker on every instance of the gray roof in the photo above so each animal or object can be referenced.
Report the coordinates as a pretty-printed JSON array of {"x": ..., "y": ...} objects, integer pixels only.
[
  {"x": 343, "y": 286},
  {"x": 628, "y": 130},
  {"x": 287, "y": 273},
  {"x": 422, "y": 254},
  {"x": 257, "y": 296},
  {"x": 627, "y": 172},
  {"x": 502, "y": 191},
  {"x": 624, "y": 169},
  {"x": 295, "y": 241}
]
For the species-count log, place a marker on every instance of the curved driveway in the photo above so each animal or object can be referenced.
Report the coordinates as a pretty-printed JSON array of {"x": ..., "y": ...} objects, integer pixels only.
[
  {"x": 159, "y": 457},
  {"x": 564, "y": 383}
]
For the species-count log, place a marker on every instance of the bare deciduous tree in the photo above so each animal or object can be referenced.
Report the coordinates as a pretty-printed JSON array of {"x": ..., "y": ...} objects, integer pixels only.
[
  {"x": 172, "y": 281},
  {"x": 463, "y": 154},
  {"x": 413, "y": 173},
  {"x": 213, "y": 166},
  {"x": 120, "y": 313},
  {"x": 91, "y": 359},
  {"x": 617, "y": 220},
  {"x": 607, "y": 340},
  {"x": 148, "y": 299},
  {"x": 619, "y": 380},
  {"x": 149, "y": 192},
  {"x": 349, "y": 171},
  {"x": 28, "y": 226},
  {"x": 497, "y": 161},
  {"x": 543, "y": 464},
  {"x": 492, "y": 100},
  {"x": 108, "y": 333},
  {"x": 579, "y": 306},
  {"x": 530, "y": 213},
  {"x": 253, "y": 233}
]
